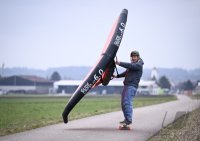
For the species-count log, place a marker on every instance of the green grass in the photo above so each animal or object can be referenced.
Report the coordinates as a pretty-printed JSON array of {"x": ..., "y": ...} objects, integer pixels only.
[
  {"x": 27, "y": 112},
  {"x": 197, "y": 96},
  {"x": 185, "y": 128}
]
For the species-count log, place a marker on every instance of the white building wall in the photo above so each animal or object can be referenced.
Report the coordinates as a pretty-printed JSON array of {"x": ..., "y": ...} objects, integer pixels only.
[{"x": 8, "y": 88}]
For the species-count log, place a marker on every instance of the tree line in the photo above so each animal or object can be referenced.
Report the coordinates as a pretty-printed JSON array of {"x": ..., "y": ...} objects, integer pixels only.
[{"x": 164, "y": 82}]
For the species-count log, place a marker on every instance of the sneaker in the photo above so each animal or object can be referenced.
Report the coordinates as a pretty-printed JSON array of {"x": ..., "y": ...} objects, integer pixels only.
[
  {"x": 128, "y": 122},
  {"x": 125, "y": 122},
  {"x": 122, "y": 122}
]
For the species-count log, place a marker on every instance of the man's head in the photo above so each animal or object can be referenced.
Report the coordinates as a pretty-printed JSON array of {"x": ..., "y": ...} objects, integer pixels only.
[{"x": 135, "y": 56}]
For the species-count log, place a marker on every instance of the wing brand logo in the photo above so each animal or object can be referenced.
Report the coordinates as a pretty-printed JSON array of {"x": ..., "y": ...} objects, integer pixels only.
[
  {"x": 88, "y": 85},
  {"x": 119, "y": 37}
]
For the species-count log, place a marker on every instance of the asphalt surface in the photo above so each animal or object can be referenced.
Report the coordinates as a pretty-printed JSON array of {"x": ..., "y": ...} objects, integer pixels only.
[{"x": 147, "y": 121}]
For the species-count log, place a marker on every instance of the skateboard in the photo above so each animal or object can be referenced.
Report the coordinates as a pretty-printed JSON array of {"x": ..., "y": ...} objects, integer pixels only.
[{"x": 124, "y": 127}]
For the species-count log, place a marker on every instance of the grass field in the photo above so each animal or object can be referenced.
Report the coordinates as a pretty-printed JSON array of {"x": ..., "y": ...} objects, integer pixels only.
[
  {"x": 197, "y": 96},
  {"x": 185, "y": 128},
  {"x": 20, "y": 113}
]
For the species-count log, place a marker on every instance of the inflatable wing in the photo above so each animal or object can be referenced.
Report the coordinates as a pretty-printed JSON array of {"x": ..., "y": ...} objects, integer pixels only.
[{"x": 104, "y": 68}]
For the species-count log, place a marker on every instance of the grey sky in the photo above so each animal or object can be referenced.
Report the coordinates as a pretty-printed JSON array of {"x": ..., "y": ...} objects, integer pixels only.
[{"x": 45, "y": 33}]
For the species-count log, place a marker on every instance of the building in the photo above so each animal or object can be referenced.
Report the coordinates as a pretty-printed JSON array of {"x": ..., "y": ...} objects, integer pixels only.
[
  {"x": 114, "y": 87},
  {"x": 148, "y": 87},
  {"x": 69, "y": 87},
  {"x": 197, "y": 89},
  {"x": 154, "y": 74},
  {"x": 25, "y": 84}
]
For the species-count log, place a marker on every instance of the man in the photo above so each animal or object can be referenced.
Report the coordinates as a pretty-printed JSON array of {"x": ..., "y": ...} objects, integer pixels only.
[{"x": 132, "y": 76}]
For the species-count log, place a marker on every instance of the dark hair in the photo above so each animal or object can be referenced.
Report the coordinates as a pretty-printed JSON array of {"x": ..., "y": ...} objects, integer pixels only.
[{"x": 135, "y": 53}]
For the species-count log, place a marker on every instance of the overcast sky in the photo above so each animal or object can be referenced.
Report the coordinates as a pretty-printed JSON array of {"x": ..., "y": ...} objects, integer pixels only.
[{"x": 45, "y": 33}]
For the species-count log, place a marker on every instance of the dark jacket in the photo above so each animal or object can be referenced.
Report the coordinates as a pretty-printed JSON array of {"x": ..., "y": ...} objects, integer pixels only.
[{"x": 133, "y": 72}]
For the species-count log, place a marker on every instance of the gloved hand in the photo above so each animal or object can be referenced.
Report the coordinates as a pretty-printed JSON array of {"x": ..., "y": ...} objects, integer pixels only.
[
  {"x": 114, "y": 76},
  {"x": 117, "y": 62}
]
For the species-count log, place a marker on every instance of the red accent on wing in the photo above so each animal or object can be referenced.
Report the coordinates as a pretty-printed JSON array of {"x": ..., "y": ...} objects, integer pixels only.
[
  {"x": 103, "y": 77},
  {"x": 103, "y": 51},
  {"x": 110, "y": 36}
]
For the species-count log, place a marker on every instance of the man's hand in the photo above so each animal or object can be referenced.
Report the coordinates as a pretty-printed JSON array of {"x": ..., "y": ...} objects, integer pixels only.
[
  {"x": 114, "y": 76},
  {"x": 117, "y": 62}
]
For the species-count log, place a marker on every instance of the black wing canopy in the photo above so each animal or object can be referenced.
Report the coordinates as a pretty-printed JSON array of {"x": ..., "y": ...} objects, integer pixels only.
[{"x": 104, "y": 68}]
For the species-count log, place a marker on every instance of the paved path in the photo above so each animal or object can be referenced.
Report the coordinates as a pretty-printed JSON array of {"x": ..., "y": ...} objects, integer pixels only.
[{"x": 147, "y": 121}]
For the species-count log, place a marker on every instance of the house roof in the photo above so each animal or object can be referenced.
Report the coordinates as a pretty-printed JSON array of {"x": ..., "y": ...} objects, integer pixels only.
[
  {"x": 23, "y": 80},
  {"x": 34, "y": 78}
]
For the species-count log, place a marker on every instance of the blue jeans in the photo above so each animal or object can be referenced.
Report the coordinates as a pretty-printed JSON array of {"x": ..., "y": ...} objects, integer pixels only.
[{"x": 126, "y": 101}]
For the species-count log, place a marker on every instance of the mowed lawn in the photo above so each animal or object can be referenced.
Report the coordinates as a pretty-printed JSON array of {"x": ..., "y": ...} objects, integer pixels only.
[{"x": 20, "y": 113}]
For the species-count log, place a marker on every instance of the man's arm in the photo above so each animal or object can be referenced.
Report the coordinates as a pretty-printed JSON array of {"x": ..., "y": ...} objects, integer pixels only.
[
  {"x": 132, "y": 66},
  {"x": 121, "y": 75}
]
